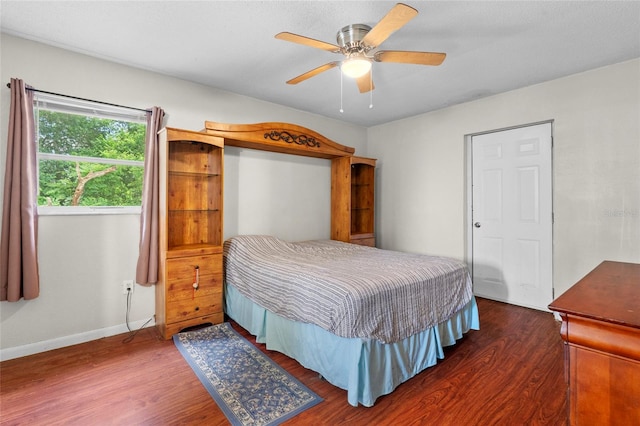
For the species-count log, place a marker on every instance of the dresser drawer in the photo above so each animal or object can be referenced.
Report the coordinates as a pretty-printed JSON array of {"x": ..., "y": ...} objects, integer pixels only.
[
  {"x": 208, "y": 285},
  {"x": 184, "y": 268},
  {"x": 181, "y": 310},
  {"x": 176, "y": 327}
]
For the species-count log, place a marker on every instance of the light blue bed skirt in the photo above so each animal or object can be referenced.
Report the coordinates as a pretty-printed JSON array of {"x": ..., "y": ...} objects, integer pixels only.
[{"x": 365, "y": 368}]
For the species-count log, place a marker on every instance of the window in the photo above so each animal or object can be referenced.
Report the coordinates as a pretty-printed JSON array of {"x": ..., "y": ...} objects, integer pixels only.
[{"x": 90, "y": 156}]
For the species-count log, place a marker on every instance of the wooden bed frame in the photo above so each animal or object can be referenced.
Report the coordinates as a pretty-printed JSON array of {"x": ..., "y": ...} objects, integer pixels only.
[
  {"x": 284, "y": 138},
  {"x": 359, "y": 374},
  {"x": 352, "y": 211}
]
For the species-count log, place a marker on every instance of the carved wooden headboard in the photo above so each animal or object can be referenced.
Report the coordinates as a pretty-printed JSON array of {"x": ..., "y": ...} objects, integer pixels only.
[{"x": 284, "y": 138}]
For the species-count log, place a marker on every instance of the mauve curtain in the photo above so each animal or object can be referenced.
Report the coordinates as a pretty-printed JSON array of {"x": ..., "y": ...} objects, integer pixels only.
[
  {"x": 148, "y": 256},
  {"x": 18, "y": 246}
]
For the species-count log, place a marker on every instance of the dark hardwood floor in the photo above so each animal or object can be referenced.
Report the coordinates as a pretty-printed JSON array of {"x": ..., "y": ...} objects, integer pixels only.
[{"x": 510, "y": 372}]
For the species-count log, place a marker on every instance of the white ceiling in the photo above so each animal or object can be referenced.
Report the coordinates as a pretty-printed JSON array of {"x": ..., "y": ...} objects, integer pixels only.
[{"x": 491, "y": 46}]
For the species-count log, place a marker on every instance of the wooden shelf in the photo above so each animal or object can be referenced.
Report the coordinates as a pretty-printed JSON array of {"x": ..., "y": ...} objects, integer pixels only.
[
  {"x": 192, "y": 250},
  {"x": 352, "y": 200},
  {"x": 189, "y": 291}
]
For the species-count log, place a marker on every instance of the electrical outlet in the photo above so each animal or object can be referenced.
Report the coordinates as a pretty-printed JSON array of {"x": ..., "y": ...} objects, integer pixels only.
[{"x": 127, "y": 286}]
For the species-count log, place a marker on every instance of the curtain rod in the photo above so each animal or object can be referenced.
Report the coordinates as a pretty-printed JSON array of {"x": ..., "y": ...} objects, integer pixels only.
[{"x": 82, "y": 99}]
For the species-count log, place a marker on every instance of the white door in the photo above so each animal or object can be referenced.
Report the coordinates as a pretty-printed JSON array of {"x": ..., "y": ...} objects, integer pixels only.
[{"x": 512, "y": 216}]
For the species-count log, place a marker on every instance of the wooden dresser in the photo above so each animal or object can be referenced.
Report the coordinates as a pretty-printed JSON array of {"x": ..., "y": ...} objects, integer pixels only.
[{"x": 601, "y": 330}]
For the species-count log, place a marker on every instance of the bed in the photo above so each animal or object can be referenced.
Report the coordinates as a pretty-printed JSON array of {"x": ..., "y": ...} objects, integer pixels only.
[{"x": 366, "y": 319}]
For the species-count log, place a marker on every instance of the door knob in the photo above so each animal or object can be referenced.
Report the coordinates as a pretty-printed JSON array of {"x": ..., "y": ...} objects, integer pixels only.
[{"x": 477, "y": 224}]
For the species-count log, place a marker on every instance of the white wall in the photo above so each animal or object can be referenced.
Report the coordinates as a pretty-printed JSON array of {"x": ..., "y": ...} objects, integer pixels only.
[
  {"x": 84, "y": 259},
  {"x": 421, "y": 198}
]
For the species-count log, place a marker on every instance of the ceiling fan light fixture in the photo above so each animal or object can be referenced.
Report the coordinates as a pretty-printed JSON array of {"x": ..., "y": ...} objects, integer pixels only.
[{"x": 356, "y": 66}]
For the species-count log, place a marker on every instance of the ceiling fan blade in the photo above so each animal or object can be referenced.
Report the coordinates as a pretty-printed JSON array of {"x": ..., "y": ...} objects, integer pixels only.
[
  {"x": 365, "y": 84},
  {"x": 295, "y": 38},
  {"x": 313, "y": 72},
  {"x": 407, "y": 57},
  {"x": 397, "y": 17}
]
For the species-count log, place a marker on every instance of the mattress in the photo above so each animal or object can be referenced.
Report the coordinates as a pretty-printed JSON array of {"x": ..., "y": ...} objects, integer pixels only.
[{"x": 348, "y": 290}]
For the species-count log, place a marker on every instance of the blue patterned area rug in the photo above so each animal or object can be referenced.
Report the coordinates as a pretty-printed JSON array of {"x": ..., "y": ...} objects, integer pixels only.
[{"x": 246, "y": 384}]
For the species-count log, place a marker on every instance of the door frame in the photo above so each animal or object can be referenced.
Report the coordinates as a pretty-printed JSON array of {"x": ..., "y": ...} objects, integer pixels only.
[{"x": 468, "y": 218}]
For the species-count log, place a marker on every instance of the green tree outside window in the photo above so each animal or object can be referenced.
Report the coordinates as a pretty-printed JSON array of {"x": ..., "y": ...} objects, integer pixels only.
[{"x": 89, "y": 161}]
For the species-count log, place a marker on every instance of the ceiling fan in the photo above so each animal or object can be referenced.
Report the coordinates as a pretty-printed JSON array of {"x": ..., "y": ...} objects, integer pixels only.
[{"x": 358, "y": 43}]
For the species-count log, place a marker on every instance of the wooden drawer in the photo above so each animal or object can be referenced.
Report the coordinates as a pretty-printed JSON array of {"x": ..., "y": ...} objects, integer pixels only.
[
  {"x": 176, "y": 327},
  {"x": 178, "y": 304},
  {"x": 183, "y": 268},
  {"x": 185, "y": 309},
  {"x": 208, "y": 285}
]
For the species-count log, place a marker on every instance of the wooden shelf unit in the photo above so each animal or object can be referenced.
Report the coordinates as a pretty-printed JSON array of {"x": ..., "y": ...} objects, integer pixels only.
[
  {"x": 352, "y": 200},
  {"x": 189, "y": 289},
  {"x": 352, "y": 177}
]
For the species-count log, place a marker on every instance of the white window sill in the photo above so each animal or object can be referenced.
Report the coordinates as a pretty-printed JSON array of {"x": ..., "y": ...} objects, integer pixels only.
[{"x": 76, "y": 211}]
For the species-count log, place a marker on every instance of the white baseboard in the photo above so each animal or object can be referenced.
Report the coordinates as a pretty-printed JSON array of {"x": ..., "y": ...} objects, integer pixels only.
[
  {"x": 511, "y": 302},
  {"x": 61, "y": 342}
]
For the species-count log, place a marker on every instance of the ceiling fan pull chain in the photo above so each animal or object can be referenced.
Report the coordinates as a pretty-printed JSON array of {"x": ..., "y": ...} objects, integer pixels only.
[
  {"x": 341, "y": 110},
  {"x": 371, "y": 89}
]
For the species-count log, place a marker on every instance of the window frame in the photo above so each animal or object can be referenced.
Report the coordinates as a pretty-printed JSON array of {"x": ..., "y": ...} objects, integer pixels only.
[{"x": 71, "y": 105}]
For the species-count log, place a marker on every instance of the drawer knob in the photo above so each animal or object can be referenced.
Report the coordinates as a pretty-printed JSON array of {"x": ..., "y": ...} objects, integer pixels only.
[
  {"x": 196, "y": 281},
  {"x": 197, "y": 308}
]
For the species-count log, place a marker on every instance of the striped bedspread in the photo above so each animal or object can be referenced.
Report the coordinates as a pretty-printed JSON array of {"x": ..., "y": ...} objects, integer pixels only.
[{"x": 350, "y": 290}]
